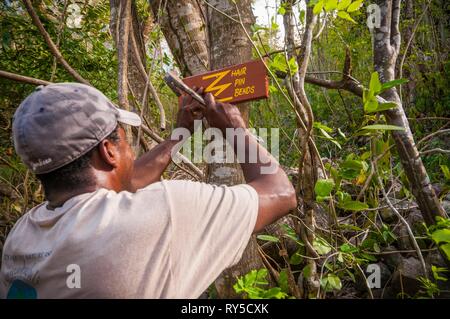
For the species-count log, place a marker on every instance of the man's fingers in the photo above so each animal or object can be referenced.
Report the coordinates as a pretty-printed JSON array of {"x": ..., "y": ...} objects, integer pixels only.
[
  {"x": 184, "y": 101},
  {"x": 200, "y": 91},
  {"x": 209, "y": 100}
]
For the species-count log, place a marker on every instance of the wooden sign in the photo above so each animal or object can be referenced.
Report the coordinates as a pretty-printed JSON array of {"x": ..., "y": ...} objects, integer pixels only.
[{"x": 234, "y": 84}]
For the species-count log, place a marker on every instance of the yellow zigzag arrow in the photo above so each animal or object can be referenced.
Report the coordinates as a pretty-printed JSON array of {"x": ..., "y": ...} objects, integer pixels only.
[{"x": 219, "y": 88}]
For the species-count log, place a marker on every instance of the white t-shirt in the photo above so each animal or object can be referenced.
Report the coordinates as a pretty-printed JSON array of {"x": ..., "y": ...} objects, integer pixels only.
[{"x": 171, "y": 239}]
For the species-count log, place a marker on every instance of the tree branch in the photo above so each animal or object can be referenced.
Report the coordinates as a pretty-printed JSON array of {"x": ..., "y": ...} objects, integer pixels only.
[
  {"x": 51, "y": 45},
  {"x": 122, "y": 52},
  {"x": 22, "y": 78},
  {"x": 162, "y": 114}
]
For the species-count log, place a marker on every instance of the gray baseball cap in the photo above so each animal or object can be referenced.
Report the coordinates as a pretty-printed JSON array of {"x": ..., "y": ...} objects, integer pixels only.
[{"x": 58, "y": 123}]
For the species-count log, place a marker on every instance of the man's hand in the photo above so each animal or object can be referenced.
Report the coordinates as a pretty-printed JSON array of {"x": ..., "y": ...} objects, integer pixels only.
[
  {"x": 222, "y": 115},
  {"x": 189, "y": 111}
]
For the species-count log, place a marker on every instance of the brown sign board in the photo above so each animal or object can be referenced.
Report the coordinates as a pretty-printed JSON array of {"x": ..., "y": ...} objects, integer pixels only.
[{"x": 234, "y": 84}]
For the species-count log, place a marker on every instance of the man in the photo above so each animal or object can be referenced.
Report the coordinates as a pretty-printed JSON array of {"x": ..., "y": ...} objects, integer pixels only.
[{"x": 109, "y": 227}]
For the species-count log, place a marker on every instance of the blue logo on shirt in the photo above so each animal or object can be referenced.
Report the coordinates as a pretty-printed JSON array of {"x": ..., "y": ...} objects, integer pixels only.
[{"x": 21, "y": 290}]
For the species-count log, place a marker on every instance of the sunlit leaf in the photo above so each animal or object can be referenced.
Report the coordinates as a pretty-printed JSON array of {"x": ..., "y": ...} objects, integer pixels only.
[
  {"x": 318, "y": 7},
  {"x": 354, "y": 6},
  {"x": 324, "y": 187},
  {"x": 268, "y": 238},
  {"x": 383, "y": 127},
  {"x": 353, "y": 205},
  {"x": 346, "y": 16},
  {"x": 343, "y": 4}
]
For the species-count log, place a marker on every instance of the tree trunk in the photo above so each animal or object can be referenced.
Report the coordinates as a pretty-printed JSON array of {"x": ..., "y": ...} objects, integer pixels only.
[
  {"x": 185, "y": 29},
  {"x": 135, "y": 80},
  {"x": 386, "y": 49},
  {"x": 229, "y": 45},
  {"x": 308, "y": 163}
]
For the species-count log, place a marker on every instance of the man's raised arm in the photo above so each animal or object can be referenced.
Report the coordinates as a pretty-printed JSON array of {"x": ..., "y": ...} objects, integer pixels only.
[{"x": 275, "y": 192}]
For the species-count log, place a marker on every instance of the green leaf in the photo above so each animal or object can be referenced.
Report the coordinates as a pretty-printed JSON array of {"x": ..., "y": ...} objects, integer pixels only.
[
  {"x": 307, "y": 271},
  {"x": 354, "y": 6},
  {"x": 289, "y": 232},
  {"x": 324, "y": 187},
  {"x": 436, "y": 272},
  {"x": 391, "y": 84},
  {"x": 353, "y": 205},
  {"x": 353, "y": 165},
  {"x": 343, "y": 4},
  {"x": 441, "y": 235},
  {"x": 341, "y": 133},
  {"x": 385, "y": 106},
  {"x": 371, "y": 105},
  {"x": 446, "y": 171},
  {"x": 279, "y": 63},
  {"x": 331, "y": 282},
  {"x": 296, "y": 258},
  {"x": 268, "y": 238},
  {"x": 282, "y": 10},
  {"x": 293, "y": 66},
  {"x": 318, "y": 7},
  {"x": 446, "y": 249},
  {"x": 383, "y": 127},
  {"x": 302, "y": 16},
  {"x": 346, "y": 16},
  {"x": 348, "y": 248},
  {"x": 283, "y": 281},
  {"x": 321, "y": 246},
  {"x": 330, "y": 5},
  {"x": 375, "y": 84},
  {"x": 323, "y": 127}
]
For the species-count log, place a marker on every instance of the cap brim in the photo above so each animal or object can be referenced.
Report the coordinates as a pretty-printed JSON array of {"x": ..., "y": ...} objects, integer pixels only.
[{"x": 129, "y": 118}]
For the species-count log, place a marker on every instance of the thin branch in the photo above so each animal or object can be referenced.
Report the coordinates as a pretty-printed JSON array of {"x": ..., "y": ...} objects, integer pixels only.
[
  {"x": 408, "y": 45},
  {"x": 162, "y": 114},
  {"x": 22, "y": 78},
  {"x": 122, "y": 52},
  {"x": 51, "y": 45},
  {"x": 321, "y": 28},
  {"x": 439, "y": 132},
  {"x": 435, "y": 150},
  {"x": 62, "y": 21},
  {"x": 432, "y": 118}
]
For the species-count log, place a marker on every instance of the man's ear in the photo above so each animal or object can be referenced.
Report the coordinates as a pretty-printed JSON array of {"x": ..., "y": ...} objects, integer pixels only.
[{"x": 108, "y": 152}]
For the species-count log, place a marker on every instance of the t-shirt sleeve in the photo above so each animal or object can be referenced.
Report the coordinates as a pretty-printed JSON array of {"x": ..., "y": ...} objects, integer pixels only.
[{"x": 211, "y": 226}]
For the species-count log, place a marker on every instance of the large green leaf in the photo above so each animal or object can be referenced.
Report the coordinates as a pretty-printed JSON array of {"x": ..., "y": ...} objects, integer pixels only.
[
  {"x": 371, "y": 105},
  {"x": 446, "y": 171},
  {"x": 330, "y": 5},
  {"x": 296, "y": 258},
  {"x": 318, "y": 7},
  {"x": 346, "y": 16},
  {"x": 354, "y": 6},
  {"x": 321, "y": 246},
  {"x": 331, "y": 282},
  {"x": 324, "y": 187},
  {"x": 441, "y": 235},
  {"x": 353, "y": 205},
  {"x": 375, "y": 84},
  {"x": 446, "y": 249},
  {"x": 383, "y": 127},
  {"x": 391, "y": 84},
  {"x": 343, "y": 4},
  {"x": 384, "y": 107}
]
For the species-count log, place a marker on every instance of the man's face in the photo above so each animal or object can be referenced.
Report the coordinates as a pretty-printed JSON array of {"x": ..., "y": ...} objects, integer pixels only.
[{"x": 126, "y": 158}]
